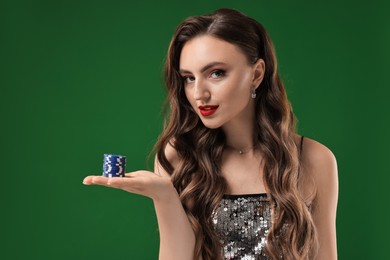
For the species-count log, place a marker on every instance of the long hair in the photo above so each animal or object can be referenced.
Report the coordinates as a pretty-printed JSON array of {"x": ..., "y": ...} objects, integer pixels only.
[{"x": 198, "y": 177}]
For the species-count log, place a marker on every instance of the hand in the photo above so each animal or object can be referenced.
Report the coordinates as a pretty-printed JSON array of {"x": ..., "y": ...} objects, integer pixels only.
[{"x": 144, "y": 183}]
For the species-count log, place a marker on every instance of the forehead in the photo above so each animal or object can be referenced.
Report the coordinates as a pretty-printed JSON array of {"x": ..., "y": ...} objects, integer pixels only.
[{"x": 205, "y": 49}]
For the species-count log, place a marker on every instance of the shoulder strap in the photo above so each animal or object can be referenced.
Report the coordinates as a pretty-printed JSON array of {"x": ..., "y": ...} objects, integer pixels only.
[
  {"x": 300, "y": 155},
  {"x": 301, "y": 146}
]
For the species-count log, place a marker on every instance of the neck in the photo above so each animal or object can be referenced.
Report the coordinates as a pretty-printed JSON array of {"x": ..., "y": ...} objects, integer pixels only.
[{"x": 239, "y": 132}]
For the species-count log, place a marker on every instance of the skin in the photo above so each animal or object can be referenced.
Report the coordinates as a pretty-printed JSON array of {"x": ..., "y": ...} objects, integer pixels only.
[
  {"x": 227, "y": 84},
  {"x": 215, "y": 78},
  {"x": 218, "y": 73}
]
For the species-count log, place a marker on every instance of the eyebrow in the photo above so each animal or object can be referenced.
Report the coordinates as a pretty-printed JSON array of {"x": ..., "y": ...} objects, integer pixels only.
[{"x": 212, "y": 64}]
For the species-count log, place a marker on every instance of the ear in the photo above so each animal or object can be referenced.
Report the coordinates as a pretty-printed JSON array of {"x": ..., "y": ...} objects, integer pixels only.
[{"x": 258, "y": 73}]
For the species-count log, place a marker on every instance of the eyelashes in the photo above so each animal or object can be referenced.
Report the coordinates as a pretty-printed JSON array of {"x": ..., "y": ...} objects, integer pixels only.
[
  {"x": 188, "y": 79},
  {"x": 215, "y": 74}
]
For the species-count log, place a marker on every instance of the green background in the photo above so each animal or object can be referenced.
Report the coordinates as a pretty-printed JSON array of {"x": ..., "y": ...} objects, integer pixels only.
[{"x": 83, "y": 78}]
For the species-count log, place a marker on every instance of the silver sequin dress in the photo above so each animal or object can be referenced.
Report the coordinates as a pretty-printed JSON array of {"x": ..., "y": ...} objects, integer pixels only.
[{"x": 242, "y": 223}]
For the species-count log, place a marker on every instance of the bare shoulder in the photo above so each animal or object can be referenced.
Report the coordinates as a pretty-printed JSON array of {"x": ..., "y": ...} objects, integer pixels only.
[
  {"x": 171, "y": 154},
  {"x": 172, "y": 157},
  {"x": 316, "y": 155},
  {"x": 319, "y": 163}
]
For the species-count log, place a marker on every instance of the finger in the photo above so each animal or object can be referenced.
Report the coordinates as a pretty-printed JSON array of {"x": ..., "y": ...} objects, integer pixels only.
[
  {"x": 124, "y": 183},
  {"x": 140, "y": 173},
  {"x": 88, "y": 180},
  {"x": 97, "y": 180}
]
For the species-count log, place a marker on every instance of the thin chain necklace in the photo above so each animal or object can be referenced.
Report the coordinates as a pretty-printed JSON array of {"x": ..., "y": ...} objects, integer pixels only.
[{"x": 242, "y": 151}]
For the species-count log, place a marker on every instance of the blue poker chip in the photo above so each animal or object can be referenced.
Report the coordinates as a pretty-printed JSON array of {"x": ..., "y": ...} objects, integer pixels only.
[
  {"x": 110, "y": 175},
  {"x": 115, "y": 161},
  {"x": 110, "y": 168},
  {"x": 114, "y": 165},
  {"x": 108, "y": 156}
]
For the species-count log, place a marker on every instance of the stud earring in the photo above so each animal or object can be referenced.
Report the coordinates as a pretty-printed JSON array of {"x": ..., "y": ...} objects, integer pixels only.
[{"x": 253, "y": 95}]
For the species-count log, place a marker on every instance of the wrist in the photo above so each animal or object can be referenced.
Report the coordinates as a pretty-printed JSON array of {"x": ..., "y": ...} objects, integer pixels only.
[{"x": 167, "y": 194}]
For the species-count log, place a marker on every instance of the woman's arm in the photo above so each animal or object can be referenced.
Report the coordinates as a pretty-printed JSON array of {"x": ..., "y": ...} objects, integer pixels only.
[
  {"x": 177, "y": 239},
  {"x": 320, "y": 163}
]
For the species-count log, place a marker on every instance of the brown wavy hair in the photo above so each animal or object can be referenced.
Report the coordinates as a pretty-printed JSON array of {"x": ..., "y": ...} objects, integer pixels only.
[{"x": 198, "y": 178}]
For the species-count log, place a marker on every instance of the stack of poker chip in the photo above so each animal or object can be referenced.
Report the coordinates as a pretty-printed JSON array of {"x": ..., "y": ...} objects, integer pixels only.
[{"x": 114, "y": 165}]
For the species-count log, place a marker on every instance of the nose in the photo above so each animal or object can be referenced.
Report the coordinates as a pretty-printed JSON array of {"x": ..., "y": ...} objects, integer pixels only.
[{"x": 201, "y": 91}]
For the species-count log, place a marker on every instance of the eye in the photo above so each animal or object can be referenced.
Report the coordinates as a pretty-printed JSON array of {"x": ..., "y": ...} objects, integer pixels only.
[
  {"x": 188, "y": 79},
  {"x": 218, "y": 74}
]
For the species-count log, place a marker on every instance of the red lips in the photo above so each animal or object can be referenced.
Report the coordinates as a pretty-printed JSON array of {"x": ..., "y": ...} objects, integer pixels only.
[{"x": 208, "y": 110}]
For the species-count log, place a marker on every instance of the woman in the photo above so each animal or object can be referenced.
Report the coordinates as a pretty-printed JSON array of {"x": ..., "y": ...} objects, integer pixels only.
[{"x": 232, "y": 179}]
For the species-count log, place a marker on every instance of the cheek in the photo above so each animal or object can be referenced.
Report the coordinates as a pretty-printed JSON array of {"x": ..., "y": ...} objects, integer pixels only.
[
  {"x": 245, "y": 82},
  {"x": 188, "y": 95},
  {"x": 238, "y": 95},
  {"x": 239, "y": 88}
]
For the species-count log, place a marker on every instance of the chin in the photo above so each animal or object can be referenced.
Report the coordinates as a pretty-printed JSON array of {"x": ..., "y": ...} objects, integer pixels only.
[{"x": 211, "y": 125}]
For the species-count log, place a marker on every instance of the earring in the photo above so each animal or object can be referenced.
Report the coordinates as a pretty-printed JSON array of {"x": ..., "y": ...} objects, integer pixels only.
[{"x": 253, "y": 95}]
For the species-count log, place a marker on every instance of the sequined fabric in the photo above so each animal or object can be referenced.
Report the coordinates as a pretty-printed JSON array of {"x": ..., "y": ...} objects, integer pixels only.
[{"x": 243, "y": 222}]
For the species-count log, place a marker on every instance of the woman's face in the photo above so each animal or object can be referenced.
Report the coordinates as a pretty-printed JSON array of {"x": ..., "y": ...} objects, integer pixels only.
[{"x": 219, "y": 80}]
